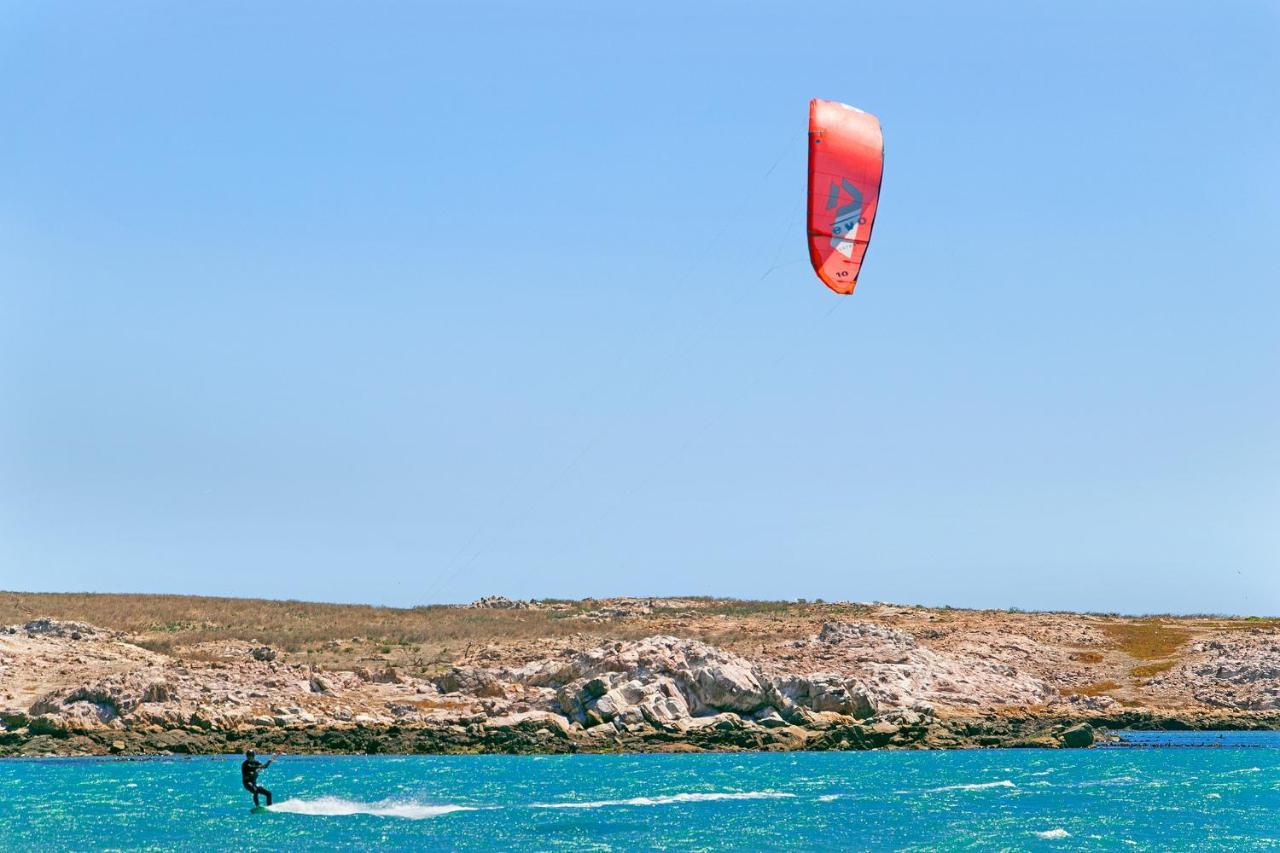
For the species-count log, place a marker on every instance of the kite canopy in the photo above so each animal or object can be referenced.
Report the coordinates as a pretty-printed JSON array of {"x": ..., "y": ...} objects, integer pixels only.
[{"x": 846, "y": 159}]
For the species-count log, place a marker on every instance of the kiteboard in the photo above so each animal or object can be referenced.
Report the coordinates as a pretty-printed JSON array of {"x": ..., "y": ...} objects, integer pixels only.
[{"x": 258, "y": 810}]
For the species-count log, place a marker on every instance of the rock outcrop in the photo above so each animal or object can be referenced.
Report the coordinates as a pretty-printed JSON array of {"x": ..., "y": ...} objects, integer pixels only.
[
  {"x": 667, "y": 682},
  {"x": 912, "y": 679},
  {"x": 1239, "y": 672},
  {"x": 900, "y": 672},
  {"x": 56, "y": 628},
  {"x": 500, "y": 602}
]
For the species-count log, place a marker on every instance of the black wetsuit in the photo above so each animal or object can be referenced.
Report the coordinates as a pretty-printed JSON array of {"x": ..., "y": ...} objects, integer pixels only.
[{"x": 249, "y": 777}]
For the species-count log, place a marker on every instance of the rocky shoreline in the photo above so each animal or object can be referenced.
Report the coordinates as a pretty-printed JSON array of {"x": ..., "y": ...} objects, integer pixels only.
[
  {"x": 885, "y": 681},
  {"x": 534, "y": 736}
]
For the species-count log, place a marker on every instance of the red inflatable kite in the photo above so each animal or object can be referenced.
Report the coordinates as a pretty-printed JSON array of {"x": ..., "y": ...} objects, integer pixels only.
[{"x": 846, "y": 159}]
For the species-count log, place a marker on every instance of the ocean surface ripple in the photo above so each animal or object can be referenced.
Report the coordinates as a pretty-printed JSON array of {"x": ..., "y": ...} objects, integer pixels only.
[{"x": 1144, "y": 798}]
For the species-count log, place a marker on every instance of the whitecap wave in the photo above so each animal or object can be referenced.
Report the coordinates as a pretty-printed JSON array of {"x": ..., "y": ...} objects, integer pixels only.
[
  {"x": 1113, "y": 780},
  {"x": 976, "y": 786},
  {"x": 1051, "y": 834},
  {"x": 826, "y": 798},
  {"x": 337, "y": 807},
  {"x": 1244, "y": 770},
  {"x": 667, "y": 800}
]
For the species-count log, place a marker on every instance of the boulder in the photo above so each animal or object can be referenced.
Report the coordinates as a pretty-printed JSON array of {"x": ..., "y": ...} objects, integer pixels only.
[
  {"x": 1078, "y": 736},
  {"x": 726, "y": 686},
  {"x": 770, "y": 718},
  {"x": 825, "y": 692},
  {"x": 720, "y": 722},
  {"x": 818, "y": 720},
  {"x": 532, "y": 721},
  {"x": 470, "y": 680},
  {"x": 659, "y": 702}
]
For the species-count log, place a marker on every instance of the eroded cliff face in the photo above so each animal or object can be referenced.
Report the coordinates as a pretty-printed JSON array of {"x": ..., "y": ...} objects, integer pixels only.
[{"x": 898, "y": 677}]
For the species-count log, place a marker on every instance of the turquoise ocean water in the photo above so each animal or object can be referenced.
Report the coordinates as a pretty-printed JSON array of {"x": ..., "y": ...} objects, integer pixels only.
[{"x": 1134, "y": 798}]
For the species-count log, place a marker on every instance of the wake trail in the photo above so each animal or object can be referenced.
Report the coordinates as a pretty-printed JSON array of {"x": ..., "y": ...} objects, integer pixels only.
[{"x": 338, "y": 807}]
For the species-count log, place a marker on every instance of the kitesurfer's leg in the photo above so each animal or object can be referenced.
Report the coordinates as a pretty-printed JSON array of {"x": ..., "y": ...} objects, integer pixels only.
[
  {"x": 265, "y": 793},
  {"x": 253, "y": 789}
]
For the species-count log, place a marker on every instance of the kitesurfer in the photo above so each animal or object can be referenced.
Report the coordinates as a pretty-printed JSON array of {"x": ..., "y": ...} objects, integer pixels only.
[{"x": 249, "y": 769}]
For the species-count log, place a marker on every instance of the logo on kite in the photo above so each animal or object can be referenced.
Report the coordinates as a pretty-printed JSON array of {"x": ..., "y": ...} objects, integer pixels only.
[{"x": 848, "y": 217}]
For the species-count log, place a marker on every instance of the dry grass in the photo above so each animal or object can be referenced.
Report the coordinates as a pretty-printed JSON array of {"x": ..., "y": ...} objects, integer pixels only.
[
  {"x": 1098, "y": 688},
  {"x": 1149, "y": 669},
  {"x": 427, "y": 639},
  {"x": 418, "y": 640},
  {"x": 1146, "y": 639},
  {"x": 165, "y": 622},
  {"x": 1246, "y": 624},
  {"x": 1086, "y": 657}
]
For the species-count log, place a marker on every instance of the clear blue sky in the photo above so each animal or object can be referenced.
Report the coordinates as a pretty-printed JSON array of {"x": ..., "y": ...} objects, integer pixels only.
[{"x": 410, "y": 302}]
